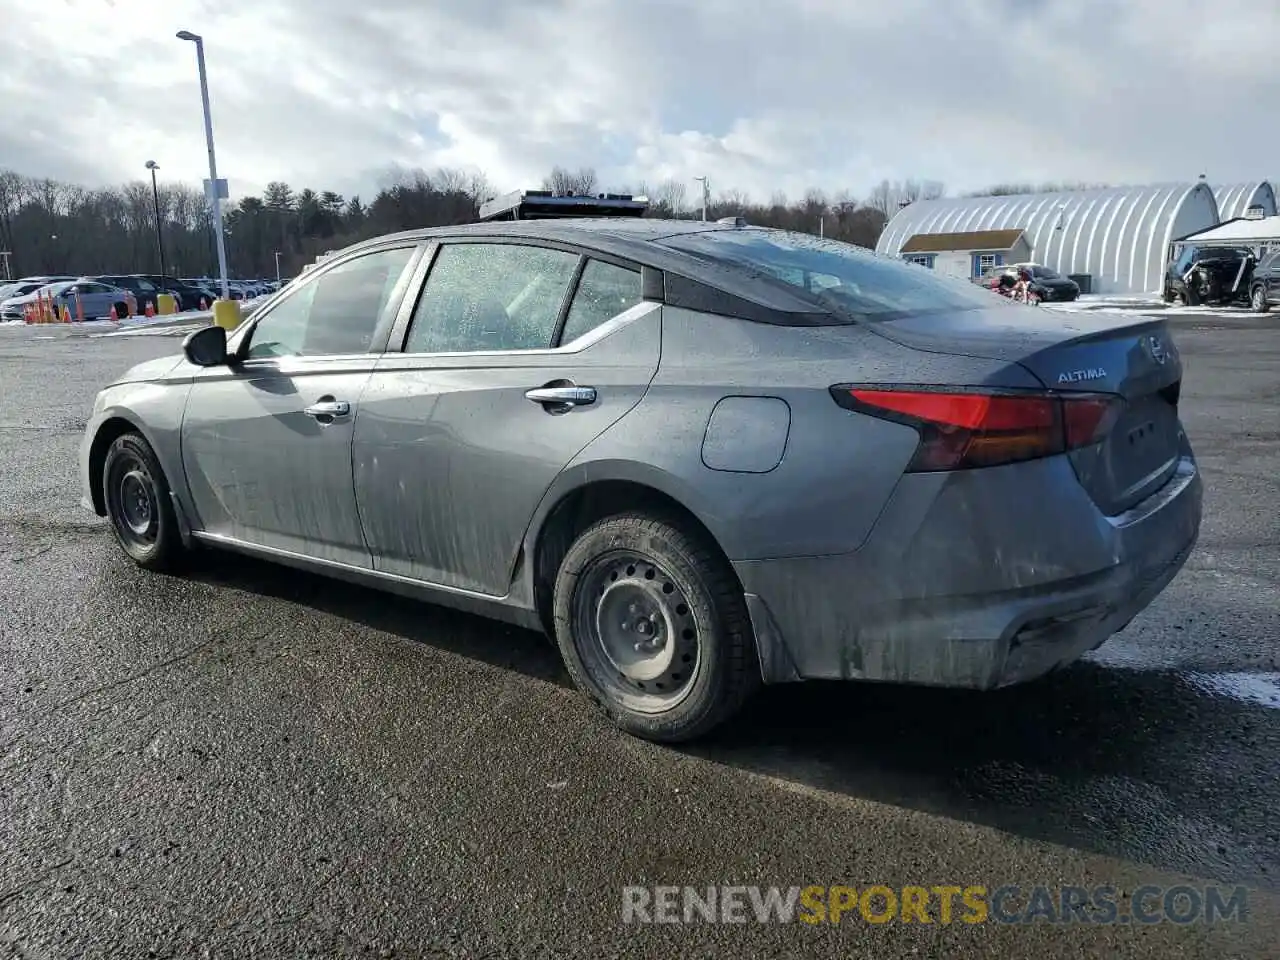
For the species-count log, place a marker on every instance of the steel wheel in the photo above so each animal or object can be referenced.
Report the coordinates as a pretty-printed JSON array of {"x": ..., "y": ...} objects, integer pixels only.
[
  {"x": 635, "y": 631},
  {"x": 133, "y": 502}
]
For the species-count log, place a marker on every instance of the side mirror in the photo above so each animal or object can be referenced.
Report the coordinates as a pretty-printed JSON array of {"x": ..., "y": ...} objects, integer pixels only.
[{"x": 206, "y": 347}]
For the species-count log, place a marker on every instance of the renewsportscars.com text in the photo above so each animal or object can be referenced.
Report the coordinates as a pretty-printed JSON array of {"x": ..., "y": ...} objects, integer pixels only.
[{"x": 943, "y": 904}]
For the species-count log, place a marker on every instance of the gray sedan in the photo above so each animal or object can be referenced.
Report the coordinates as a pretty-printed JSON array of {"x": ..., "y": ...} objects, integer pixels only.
[{"x": 702, "y": 457}]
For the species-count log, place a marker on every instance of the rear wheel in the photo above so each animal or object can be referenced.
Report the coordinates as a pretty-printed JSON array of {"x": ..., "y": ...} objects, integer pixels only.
[
  {"x": 653, "y": 626},
  {"x": 1258, "y": 299},
  {"x": 136, "y": 495}
]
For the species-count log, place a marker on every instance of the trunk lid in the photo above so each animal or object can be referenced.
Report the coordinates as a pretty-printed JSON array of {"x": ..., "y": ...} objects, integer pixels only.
[{"x": 1133, "y": 358}]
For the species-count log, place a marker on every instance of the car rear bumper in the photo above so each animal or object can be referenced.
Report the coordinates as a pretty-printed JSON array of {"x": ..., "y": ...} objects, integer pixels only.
[{"x": 985, "y": 585}]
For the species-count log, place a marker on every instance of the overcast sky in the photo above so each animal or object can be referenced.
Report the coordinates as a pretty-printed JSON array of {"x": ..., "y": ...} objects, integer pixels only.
[{"x": 759, "y": 95}]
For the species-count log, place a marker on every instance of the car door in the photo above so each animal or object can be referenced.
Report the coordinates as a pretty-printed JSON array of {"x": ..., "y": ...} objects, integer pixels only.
[
  {"x": 266, "y": 441},
  {"x": 516, "y": 357},
  {"x": 1270, "y": 270},
  {"x": 95, "y": 299}
]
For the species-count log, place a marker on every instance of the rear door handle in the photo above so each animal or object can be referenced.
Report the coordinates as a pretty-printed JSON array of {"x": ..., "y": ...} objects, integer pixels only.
[
  {"x": 562, "y": 397},
  {"x": 327, "y": 408}
]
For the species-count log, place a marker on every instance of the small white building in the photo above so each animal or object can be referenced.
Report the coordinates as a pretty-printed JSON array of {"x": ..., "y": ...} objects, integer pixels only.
[
  {"x": 966, "y": 255},
  {"x": 1259, "y": 234}
]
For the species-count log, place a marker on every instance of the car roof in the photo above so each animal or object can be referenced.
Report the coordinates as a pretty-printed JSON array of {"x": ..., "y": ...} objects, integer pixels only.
[{"x": 690, "y": 281}]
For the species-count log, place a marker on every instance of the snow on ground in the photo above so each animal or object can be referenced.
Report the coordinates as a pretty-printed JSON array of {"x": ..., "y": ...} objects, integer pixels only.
[{"x": 1141, "y": 304}]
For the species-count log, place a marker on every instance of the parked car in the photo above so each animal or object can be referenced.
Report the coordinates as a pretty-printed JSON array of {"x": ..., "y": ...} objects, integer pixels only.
[
  {"x": 1216, "y": 275},
  {"x": 20, "y": 288},
  {"x": 95, "y": 299},
  {"x": 143, "y": 290},
  {"x": 700, "y": 456},
  {"x": 1046, "y": 285},
  {"x": 187, "y": 295},
  {"x": 1264, "y": 283}
]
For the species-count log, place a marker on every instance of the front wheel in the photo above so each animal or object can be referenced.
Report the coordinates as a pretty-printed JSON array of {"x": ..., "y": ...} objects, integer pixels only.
[
  {"x": 1258, "y": 299},
  {"x": 136, "y": 495},
  {"x": 653, "y": 626}
]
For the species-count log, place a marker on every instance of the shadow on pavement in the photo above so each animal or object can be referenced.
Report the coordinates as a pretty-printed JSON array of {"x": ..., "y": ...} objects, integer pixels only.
[{"x": 1138, "y": 764}]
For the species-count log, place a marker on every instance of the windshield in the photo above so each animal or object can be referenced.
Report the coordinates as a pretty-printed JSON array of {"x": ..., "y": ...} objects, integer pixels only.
[
  {"x": 53, "y": 289},
  {"x": 851, "y": 279},
  {"x": 1044, "y": 273}
]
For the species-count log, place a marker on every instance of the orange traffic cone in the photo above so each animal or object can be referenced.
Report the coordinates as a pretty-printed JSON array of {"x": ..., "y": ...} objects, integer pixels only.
[
  {"x": 113, "y": 316},
  {"x": 130, "y": 305},
  {"x": 204, "y": 305},
  {"x": 79, "y": 309},
  {"x": 150, "y": 310},
  {"x": 66, "y": 314},
  {"x": 26, "y": 313}
]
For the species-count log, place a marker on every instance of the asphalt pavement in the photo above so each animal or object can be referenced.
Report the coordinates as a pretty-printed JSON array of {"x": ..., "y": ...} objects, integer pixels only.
[{"x": 247, "y": 761}]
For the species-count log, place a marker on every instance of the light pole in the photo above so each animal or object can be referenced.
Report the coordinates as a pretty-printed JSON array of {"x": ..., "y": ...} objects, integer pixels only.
[
  {"x": 214, "y": 199},
  {"x": 277, "y": 268},
  {"x": 706, "y": 194},
  {"x": 155, "y": 201},
  {"x": 5, "y": 255}
]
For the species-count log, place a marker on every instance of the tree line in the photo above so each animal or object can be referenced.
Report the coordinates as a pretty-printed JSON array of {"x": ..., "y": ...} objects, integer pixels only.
[{"x": 50, "y": 227}]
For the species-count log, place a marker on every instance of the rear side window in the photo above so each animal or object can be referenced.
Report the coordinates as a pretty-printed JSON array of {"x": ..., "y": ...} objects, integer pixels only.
[
  {"x": 603, "y": 292},
  {"x": 849, "y": 279},
  {"x": 491, "y": 296}
]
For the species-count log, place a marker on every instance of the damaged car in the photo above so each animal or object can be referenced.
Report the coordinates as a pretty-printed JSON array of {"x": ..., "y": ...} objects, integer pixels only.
[{"x": 1209, "y": 275}]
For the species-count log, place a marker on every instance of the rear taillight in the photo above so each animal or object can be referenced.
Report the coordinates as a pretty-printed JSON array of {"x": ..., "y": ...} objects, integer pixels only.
[{"x": 960, "y": 430}]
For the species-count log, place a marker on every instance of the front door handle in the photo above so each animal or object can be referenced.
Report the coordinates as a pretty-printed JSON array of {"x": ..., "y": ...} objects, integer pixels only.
[
  {"x": 562, "y": 397},
  {"x": 327, "y": 409}
]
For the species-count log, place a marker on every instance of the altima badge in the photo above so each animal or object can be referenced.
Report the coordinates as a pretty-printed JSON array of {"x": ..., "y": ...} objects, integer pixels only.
[{"x": 1079, "y": 376}]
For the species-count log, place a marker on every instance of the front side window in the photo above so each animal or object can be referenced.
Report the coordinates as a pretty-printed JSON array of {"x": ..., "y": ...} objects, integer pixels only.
[
  {"x": 603, "y": 292},
  {"x": 491, "y": 296},
  {"x": 336, "y": 313},
  {"x": 851, "y": 280}
]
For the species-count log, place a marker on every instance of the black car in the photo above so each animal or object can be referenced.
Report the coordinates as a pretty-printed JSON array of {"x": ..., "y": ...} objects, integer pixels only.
[
  {"x": 1264, "y": 284},
  {"x": 1046, "y": 284},
  {"x": 187, "y": 294},
  {"x": 143, "y": 290},
  {"x": 1216, "y": 275}
]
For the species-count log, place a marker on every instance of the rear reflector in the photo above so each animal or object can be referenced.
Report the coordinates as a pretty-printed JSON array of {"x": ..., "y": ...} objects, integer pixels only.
[{"x": 961, "y": 430}]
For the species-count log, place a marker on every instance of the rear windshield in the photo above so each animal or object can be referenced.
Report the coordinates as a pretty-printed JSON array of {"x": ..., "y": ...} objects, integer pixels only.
[
  {"x": 852, "y": 280},
  {"x": 1044, "y": 273}
]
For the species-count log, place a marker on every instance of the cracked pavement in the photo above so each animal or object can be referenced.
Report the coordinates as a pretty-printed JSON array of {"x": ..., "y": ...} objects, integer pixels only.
[{"x": 247, "y": 761}]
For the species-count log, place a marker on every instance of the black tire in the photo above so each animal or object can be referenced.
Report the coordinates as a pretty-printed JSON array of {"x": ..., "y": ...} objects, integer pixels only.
[
  {"x": 136, "y": 494},
  {"x": 649, "y": 568},
  {"x": 122, "y": 310},
  {"x": 1258, "y": 299},
  {"x": 1191, "y": 294}
]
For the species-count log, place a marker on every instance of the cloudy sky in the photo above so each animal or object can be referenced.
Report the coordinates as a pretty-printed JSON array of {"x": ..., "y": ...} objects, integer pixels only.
[{"x": 758, "y": 95}]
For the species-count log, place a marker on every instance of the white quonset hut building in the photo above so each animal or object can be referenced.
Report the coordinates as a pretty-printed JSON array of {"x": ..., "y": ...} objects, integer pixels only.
[
  {"x": 1119, "y": 237},
  {"x": 1236, "y": 199}
]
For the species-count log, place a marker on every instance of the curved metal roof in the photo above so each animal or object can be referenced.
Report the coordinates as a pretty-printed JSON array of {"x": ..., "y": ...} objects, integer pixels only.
[
  {"x": 1118, "y": 234},
  {"x": 1235, "y": 198}
]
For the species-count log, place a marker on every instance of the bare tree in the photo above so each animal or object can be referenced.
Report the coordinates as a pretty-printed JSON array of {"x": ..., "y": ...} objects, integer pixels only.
[{"x": 567, "y": 183}]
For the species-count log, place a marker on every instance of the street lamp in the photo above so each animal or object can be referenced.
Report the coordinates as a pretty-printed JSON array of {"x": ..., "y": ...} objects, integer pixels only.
[
  {"x": 706, "y": 195},
  {"x": 215, "y": 199},
  {"x": 277, "y": 268},
  {"x": 155, "y": 200}
]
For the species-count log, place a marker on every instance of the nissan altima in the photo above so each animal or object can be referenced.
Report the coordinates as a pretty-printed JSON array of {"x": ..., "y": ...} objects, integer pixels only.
[{"x": 701, "y": 456}]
